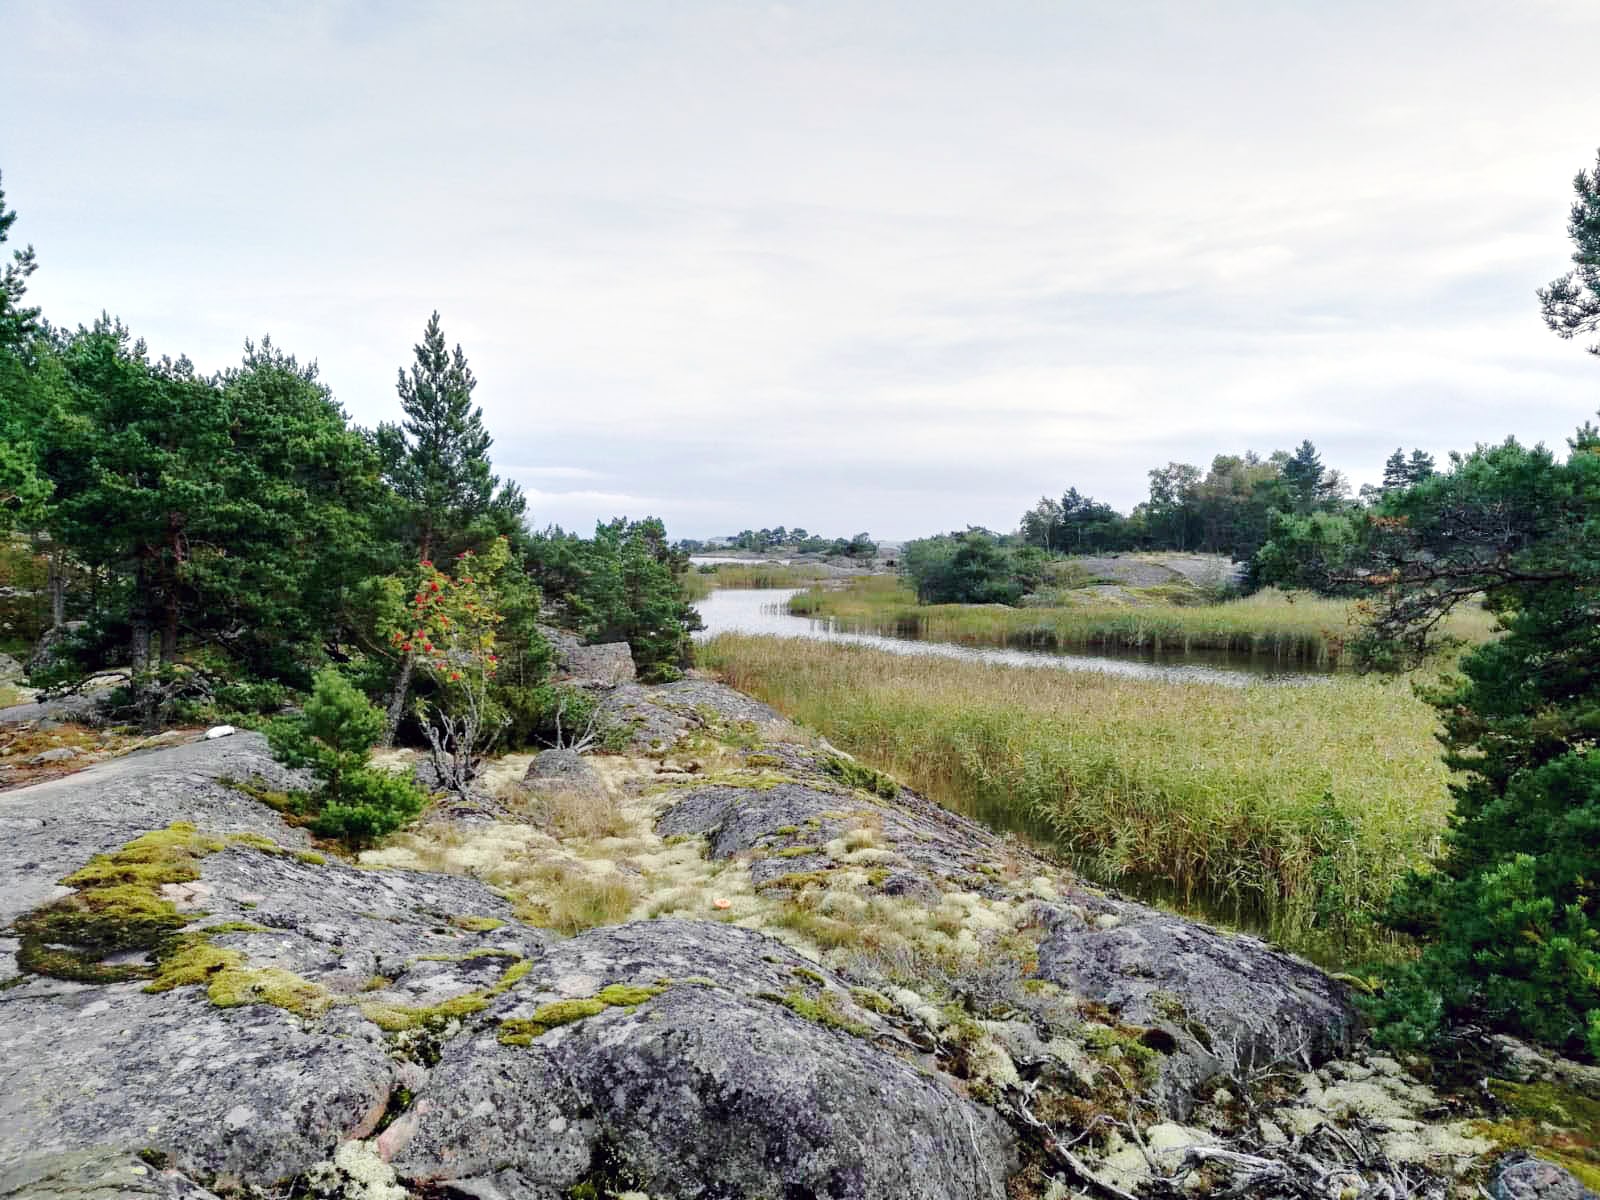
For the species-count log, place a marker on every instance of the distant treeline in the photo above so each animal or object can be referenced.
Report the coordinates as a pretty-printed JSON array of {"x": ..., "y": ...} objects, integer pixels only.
[
  {"x": 795, "y": 541},
  {"x": 1226, "y": 510}
]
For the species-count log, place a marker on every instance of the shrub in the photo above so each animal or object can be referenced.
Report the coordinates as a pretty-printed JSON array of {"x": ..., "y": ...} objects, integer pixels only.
[{"x": 334, "y": 738}]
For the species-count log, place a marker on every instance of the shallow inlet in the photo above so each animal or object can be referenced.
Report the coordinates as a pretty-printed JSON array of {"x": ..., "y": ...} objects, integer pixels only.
[{"x": 765, "y": 612}]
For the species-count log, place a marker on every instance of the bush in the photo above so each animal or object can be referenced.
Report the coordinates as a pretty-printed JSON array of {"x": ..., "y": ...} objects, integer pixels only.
[{"x": 334, "y": 738}]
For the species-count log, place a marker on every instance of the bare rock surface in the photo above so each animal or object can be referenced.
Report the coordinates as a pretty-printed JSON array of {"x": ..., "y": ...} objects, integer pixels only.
[
  {"x": 247, "y": 1092},
  {"x": 711, "y": 1085},
  {"x": 1230, "y": 1003},
  {"x": 1523, "y": 1177},
  {"x": 607, "y": 663},
  {"x": 95, "y": 1175},
  {"x": 49, "y": 829},
  {"x": 658, "y": 716},
  {"x": 10, "y": 669}
]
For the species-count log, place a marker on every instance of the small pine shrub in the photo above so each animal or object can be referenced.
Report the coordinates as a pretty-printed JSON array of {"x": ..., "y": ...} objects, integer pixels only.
[{"x": 334, "y": 737}]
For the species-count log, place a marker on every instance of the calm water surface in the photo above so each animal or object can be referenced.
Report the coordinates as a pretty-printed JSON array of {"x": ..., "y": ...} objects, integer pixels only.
[{"x": 763, "y": 611}]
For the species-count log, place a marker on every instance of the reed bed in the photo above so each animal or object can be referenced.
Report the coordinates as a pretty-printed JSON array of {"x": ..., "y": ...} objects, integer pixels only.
[
  {"x": 700, "y": 582},
  {"x": 1289, "y": 809},
  {"x": 1295, "y": 630}
]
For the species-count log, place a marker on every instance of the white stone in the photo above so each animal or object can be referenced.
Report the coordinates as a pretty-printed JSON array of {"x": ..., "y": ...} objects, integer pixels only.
[{"x": 220, "y": 731}]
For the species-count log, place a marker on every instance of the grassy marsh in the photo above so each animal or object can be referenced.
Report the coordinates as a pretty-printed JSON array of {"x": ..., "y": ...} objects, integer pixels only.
[
  {"x": 1294, "y": 629},
  {"x": 1289, "y": 808}
]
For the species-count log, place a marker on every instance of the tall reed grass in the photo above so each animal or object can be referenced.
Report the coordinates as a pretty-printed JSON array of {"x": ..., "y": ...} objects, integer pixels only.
[
  {"x": 1291, "y": 809},
  {"x": 1293, "y": 629},
  {"x": 700, "y": 582}
]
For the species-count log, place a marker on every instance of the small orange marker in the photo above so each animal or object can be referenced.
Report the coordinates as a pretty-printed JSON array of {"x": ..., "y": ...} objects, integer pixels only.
[{"x": 722, "y": 902}]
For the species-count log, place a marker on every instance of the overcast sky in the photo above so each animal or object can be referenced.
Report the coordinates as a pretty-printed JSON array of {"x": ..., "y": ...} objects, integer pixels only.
[{"x": 887, "y": 266}]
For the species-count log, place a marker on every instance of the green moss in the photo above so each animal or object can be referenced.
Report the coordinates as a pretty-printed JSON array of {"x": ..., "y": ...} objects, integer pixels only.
[
  {"x": 872, "y": 1001},
  {"x": 267, "y": 985},
  {"x": 809, "y": 975},
  {"x": 787, "y": 830},
  {"x": 763, "y": 760},
  {"x": 521, "y": 1031},
  {"x": 396, "y": 1018},
  {"x": 192, "y": 959},
  {"x": 823, "y": 1009},
  {"x": 1550, "y": 1103},
  {"x": 858, "y": 775},
  {"x": 311, "y": 857},
  {"x": 477, "y": 924},
  {"x": 796, "y": 851},
  {"x": 117, "y": 907},
  {"x": 1120, "y": 1046}
]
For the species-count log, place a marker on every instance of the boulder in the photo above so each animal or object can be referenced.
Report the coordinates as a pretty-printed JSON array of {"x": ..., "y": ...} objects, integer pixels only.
[
  {"x": 711, "y": 1074},
  {"x": 50, "y": 644},
  {"x": 607, "y": 663},
  {"x": 1228, "y": 1003},
  {"x": 1520, "y": 1176},
  {"x": 10, "y": 669},
  {"x": 79, "y": 709},
  {"x": 563, "y": 771}
]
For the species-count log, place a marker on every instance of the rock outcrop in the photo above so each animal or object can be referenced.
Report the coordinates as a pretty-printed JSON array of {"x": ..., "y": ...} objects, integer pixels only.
[
  {"x": 735, "y": 963},
  {"x": 50, "y": 644},
  {"x": 606, "y": 663}
]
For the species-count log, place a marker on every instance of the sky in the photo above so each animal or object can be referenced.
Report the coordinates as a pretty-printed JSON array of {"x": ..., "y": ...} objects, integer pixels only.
[{"x": 895, "y": 267}]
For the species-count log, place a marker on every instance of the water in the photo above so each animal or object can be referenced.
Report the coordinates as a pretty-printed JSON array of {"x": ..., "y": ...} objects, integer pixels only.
[
  {"x": 764, "y": 611},
  {"x": 716, "y": 560}
]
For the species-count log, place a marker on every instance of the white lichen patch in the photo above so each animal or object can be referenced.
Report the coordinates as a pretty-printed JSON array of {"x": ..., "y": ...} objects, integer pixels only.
[{"x": 356, "y": 1173}]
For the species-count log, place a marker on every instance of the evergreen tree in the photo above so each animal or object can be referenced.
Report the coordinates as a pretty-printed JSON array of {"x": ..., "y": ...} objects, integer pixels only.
[
  {"x": 1303, "y": 474},
  {"x": 437, "y": 461},
  {"x": 1571, "y": 304},
  {"x": 22, "y": 488},
  {"x": 18, "y": 322},
  {"x": 1396, "y": 471},
  {"x": 1419, "y": 466},
  {"x": 1510, "y": 915}
]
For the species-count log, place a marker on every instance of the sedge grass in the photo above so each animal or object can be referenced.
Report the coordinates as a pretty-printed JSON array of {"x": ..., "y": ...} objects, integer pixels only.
[
  {"x": 699, "y": 583},
  {"x": 1294, "y": 629},
  {"x": 1291, "y": 809}
]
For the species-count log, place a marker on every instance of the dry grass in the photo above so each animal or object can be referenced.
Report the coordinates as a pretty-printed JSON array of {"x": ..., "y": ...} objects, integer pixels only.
[
  {"x": 1293, "y": 808},
  {"x": 568, "y": 811}
]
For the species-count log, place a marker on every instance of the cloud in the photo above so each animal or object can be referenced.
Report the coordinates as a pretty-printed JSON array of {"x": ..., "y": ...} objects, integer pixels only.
[{"x": 841, "y": 265}]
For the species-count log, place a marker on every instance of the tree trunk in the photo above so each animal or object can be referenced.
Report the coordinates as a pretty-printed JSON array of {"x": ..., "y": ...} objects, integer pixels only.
[
  {"x": 58, "y": 589},
  {"x": 397, "y": 701},
  {"x": 169, "y": 625},
  {"x": 169, "y": 632}
]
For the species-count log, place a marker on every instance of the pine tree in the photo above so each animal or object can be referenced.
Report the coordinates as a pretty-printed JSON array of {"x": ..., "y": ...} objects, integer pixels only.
[
  {"x": 17, "y": 323},
  {"x": 1572, "y": 303},
  {"x": 1396, "y": 472},
  {"x": 1303, "y": 473},
  {"x": 437, "y": 461}
]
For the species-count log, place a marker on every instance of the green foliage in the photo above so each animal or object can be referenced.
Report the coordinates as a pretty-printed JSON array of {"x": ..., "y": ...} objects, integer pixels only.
[
  {"x": 437, "y": 459},
  {"x": 1510, "y": 915},
  {"x": 1571, "y": 304},
  {"x": 334, "y": 738},
  {"x": 971, "y": 568},
  {"x": 623, "y": 585}
]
